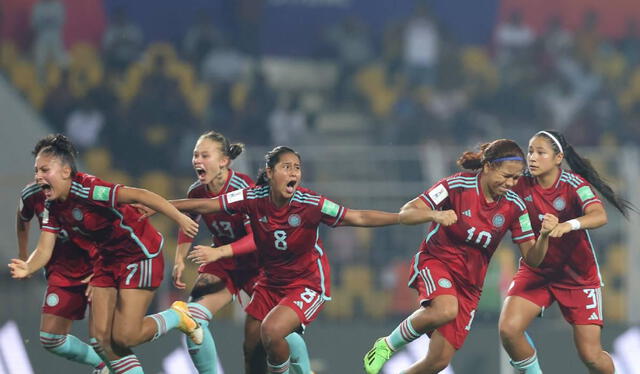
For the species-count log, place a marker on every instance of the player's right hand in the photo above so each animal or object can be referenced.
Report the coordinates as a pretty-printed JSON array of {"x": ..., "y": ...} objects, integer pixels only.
[
  {"x": 188, "y": 226},
  {"x": 19, "y": 269},
  {"x": 445, "y": 217},
  {"x": 178, "y": 268}
]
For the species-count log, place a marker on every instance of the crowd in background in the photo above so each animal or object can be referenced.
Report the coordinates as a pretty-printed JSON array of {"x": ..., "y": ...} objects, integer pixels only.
[{"x": 146, "y": 103}]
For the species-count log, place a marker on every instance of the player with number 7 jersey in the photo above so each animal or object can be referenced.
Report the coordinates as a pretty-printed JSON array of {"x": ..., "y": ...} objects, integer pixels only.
[
  {"x": 470, "y": 212},
  {"x": 285, "y": 220}
]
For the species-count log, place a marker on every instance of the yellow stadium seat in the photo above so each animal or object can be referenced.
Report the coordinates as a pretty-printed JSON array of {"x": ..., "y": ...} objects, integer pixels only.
[
  {"x": 158, "y": 182},
  {"x": 97, "y": 160}
]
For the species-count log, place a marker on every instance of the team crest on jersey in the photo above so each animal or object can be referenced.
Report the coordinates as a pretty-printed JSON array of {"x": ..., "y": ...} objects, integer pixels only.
[
  {"x": 52, "y": 299},
  {"x": 294, "y": 220},
  {"x": 444, "y": 283},
  {"x": 77, "y": 214},
  {"x": 559, "y": 203},
  {"x": 263, "y": 219},
  {"x": 498, "y": 220}
]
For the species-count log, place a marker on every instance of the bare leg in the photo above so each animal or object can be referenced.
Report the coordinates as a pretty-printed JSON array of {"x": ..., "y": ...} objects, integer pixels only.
[
  {"x": 438, "y": 357},
  {"x": 587, "y": 340},
  {"x": 516, "y": 315}
]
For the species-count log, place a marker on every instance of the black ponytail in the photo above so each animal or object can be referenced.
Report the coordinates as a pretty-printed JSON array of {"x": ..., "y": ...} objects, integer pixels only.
[
  {"x": 59, "y": 146},
  {"x": 271, "y": 159},
  {"x": 585, "y": 169}
]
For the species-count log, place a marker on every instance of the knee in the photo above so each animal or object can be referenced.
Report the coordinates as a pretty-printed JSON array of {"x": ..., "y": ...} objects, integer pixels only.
[
  {"x": 449, "y": 312},
  {"x": 440, "y": 364},
  {"x": 509, "y": 329},
  {"x": 269, "y": 333}
]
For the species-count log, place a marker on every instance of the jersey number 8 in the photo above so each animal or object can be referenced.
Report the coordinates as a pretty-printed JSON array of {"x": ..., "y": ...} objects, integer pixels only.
[{"x": 281, "y": 239}]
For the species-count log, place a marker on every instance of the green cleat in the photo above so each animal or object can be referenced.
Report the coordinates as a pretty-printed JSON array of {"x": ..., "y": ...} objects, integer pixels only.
[{"x": 375, "y": 359}]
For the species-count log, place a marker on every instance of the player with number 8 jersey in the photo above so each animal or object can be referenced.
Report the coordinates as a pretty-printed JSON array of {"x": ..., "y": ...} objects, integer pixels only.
[{"x": 285, "y": 220}]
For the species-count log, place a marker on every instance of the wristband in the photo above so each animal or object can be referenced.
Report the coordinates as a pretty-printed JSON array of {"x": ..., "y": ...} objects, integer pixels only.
[{"x": 575, "y": 224}]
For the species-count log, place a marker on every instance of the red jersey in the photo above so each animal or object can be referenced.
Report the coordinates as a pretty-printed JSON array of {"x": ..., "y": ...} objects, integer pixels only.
[
  {"x": 91, "y": 213},
  {"x": 225, "y": 228},
  {"x": 467, "y": 246},
  {"x": 570, "y": 260},
  {"x": 289, "y": 247},
  {"x": 69, "y": 263}
]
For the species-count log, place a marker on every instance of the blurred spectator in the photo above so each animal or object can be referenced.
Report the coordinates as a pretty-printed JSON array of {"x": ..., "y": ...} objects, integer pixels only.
[
  {"x": 248, "y": 22},
  {"x": 288, "y": 122},
  {"x": 353, "y": 48},
  {"x": 587, "y": 37},
  {"x": 200, "y": 39},
  {"x": 421, "y": 46},
  {"x": 84, "y": 124},
  {"x": 223, "y": 64},
  {"x": 557, "y": 41},
  {"x": 122, "y": 42},
  {"x": 629, "y": 45},
  {"x": 47, "y": 21},
  {"x": 59, "y": 103},
  {"x": 252, "y": 117},
  {"x": 513, "y": 39}
]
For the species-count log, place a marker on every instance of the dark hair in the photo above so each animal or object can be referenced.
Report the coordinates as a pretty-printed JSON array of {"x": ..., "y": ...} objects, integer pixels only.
[
  {"x": 59, "y": 146},
  {"x": 489, "y": 153},
  {"x": 585, "y": 169},
  {"x": 230, "y": 150},
  {"x": 271, "y": 159}
]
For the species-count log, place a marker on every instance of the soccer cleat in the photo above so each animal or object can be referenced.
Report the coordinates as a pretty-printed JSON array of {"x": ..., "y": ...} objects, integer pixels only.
[
  {"x": 101, "y": 369},
  {"x": 375, "y": 359},
  {"x": 188, "y": 324}
]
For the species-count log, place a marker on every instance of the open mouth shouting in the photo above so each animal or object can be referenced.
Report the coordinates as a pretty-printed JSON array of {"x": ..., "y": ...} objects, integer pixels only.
[
  {"x": 201, "y": 172},
  {"x": 48, "y": 191},
  {"x": 290, "y": 187}
]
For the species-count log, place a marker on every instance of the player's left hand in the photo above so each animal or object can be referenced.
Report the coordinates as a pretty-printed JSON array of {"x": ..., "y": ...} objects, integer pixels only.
[
  {"x": 560, "y": 230},
  {"x": 89, "y": 291},
  {"x": 549, "y": 223},
  {"x": 19, "y": 269}
]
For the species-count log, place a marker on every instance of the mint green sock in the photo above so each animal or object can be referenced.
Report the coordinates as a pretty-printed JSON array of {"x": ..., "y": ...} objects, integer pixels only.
[
  {"x": 165, "y": 321},
  {"x": 402, "y": 335},
  {"x": 127, "y": 365},
  {"x": 70, "y": 347},
  {"x": 299, "y": 355},
  {"x": 282, "y": 368},
  {"x": 204, "y": 356}
]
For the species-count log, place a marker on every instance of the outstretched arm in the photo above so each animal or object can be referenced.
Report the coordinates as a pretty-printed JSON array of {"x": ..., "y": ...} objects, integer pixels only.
[
  {"x": 369, "y": 218},
  {"x": 417, "y": 211},
  {"x": 129, "y": 195},
  {"x": 198, "y": 206}
]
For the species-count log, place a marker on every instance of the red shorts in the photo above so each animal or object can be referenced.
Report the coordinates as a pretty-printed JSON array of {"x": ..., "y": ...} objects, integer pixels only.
[
  {"x": 65, "y": 302},
  {"x": 145, "y": 273},
  {"x": 431, "y": 278},
  {"x": 234, "y": 279},
  {"x": 306, "y": 302},
  {"x": 579, "y": 306}
]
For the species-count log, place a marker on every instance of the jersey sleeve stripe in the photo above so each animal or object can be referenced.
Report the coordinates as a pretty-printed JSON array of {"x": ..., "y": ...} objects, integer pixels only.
[
  {"x": 594, "y": 200},
  {"x": 511, "y": 196},
  {"x": 30, "y": 190},
  {"x": 524, "y": 236},
  {"x": 456, "y": 185},
  {"x": 79, "y": 194},
  {"x": 339, "y": 217},
  {"x": 25, "y": 196},
  {"x": 239, "y": 181},
  {"x": 80, "y": 187},
  {"x": 193, "y": 186}
]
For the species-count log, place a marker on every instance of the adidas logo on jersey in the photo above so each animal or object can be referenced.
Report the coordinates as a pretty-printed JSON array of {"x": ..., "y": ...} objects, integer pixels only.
[
  {"x": 263, "y": 219},
  {"x": 298, "y": 304},
  {"x": 467, "y": 212},
  {"x": 529, "y": 198},
  {"x": 594, "y": 317}
]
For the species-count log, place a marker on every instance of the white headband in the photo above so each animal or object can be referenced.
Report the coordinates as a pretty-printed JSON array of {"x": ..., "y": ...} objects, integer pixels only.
[{"x": 552, "y": 138}]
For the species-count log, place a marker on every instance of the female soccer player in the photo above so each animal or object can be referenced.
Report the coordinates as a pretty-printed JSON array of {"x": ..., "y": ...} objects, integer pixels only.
[
  {"x": 130, "y": 265},
  {"x": 470, "y": 213},
  {"x": 67, "y": 273},
  {"x": 569, "y": 273},
  {"x": 285, "y": 219},
  {"x": 219, "y": 282}
]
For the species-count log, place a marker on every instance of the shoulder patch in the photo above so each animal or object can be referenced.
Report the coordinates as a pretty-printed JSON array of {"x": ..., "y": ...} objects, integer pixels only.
[
  {"x": 438, "y": 194},
  {"x": 101, "y": 193},
  {"x": 585, "y": 193},
  {"x": 234, "y": 196},
  {"x": 525, "y": 223},
  {"x": 330, "y": 208}
]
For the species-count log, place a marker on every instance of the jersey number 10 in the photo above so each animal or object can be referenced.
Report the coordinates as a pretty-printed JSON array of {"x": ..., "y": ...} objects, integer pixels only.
[{"x": 481, "y": 235}]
